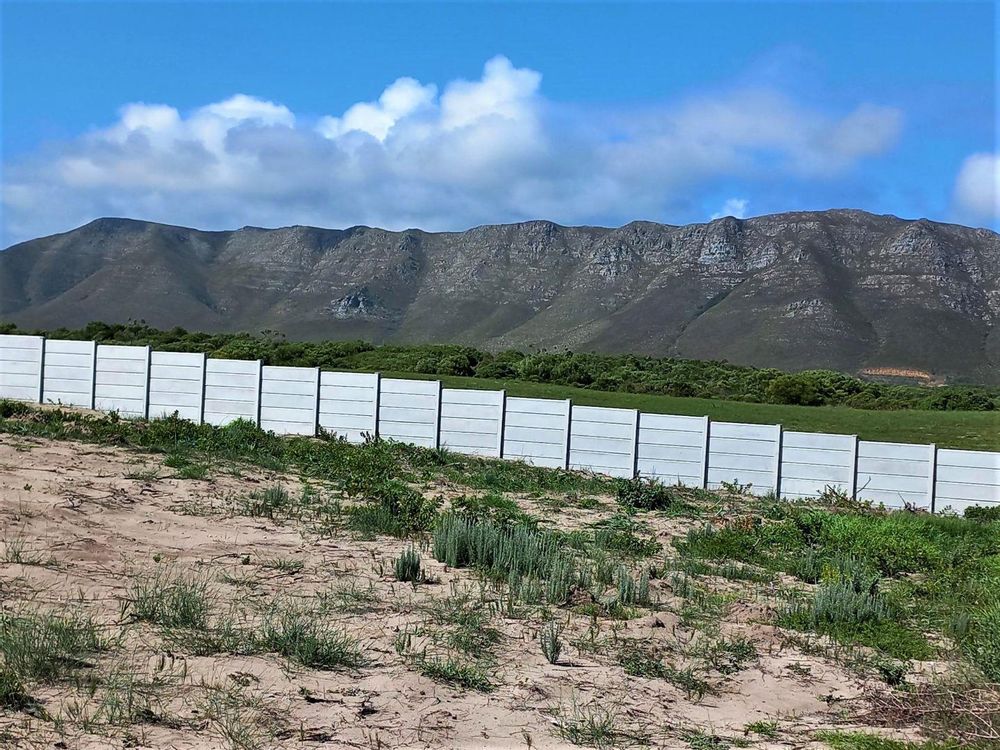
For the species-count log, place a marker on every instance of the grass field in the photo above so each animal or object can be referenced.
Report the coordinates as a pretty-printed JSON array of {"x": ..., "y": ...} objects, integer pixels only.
[{"x": 948, "y": 429}]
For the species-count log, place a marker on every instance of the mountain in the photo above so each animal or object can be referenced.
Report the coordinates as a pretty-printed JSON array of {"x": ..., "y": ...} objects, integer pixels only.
[{"x": 838, "y": 289}]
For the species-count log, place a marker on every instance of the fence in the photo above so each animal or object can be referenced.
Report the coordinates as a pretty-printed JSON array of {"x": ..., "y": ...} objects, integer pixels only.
[{"x": 691, "y": 451}]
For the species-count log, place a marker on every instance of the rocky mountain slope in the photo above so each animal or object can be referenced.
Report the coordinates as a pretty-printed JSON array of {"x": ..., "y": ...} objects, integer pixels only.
[{"x": 839, "y": 289}]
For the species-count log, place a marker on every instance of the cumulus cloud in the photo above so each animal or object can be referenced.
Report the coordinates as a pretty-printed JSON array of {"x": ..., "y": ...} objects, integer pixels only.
[
  {"x": 735, "y": 207},
  {"x": 977, "y": 188},
  {"x": 487, "y": 150}
]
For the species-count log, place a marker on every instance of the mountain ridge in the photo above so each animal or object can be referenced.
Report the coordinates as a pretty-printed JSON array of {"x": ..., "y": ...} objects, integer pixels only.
[{"x": 842, "y": 288}]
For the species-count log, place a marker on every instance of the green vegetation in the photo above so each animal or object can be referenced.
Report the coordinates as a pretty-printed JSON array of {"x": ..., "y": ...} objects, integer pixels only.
[
  {"x": 819, "y": 401},
  {"x": 173, "y": 600},
  {"x": 885, "y": 579},
  {"x": 550, "y": 639},
  {"x": 650, "y": 581},
  {"x": 407, "y": 566},
  {"x": 45, "y": 647},
  {"x": 865, "y": 741}
]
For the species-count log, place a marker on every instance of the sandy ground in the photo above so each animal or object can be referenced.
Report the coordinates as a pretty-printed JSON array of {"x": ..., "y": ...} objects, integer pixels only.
[{"x": 89, "y": 520}]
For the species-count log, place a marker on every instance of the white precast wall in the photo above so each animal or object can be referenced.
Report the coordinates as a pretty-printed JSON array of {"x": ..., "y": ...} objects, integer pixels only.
[
  {"x": 176, "y": 384},
  {"x": 813, "y": 461},
  {"x": 966, "y": 478},
  {"x": 232, "y": 390},
  {"x": 745, "y": 454},
  {"x": 69, "y": 372},
  {"x": 536, "y": 430},
  {"x": 895, "y": 474},
  {"x": 409, "y": 411},
  {"x": 21, "y": 367},
  {"x": 121, "y": 381},
  {"x": 472, "y": 421},
  {"x": 603, "y": 440},
  {"x": 289, "y": 400},
  {"x": 673, "y": 450},
  {"x": 348, "y": 404}
]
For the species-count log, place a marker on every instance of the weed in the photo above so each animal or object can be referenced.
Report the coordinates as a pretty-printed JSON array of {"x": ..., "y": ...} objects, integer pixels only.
[
  {"x": 594, "y": 725},
  {"x": 645, "y": 494},
  {"x": 47, "y": 647},
  {"x": 639, "y": 660},
  {"x": 766, "y": 729},
  {"x": 305, "y": 639},
  {"x": 407, "y": 566},
  {"x": 172, "y": 600},
  {"x": 273, "y": 502},
  {"x": 729, "y": 655},
  {"x": 981, "y": 641},
  {"x": 453, "y": 671},
  {"x": 550, "y": 638},
  {"x": 693, "y": 686},
  {"x": 286, "y": 565}
]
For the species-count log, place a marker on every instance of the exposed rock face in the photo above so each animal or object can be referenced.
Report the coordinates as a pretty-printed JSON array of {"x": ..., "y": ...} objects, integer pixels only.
[{"x": 841, "y": 289}]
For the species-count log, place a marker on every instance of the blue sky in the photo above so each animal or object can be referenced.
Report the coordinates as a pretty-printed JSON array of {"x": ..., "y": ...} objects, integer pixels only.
[{"x": 224, "y": 114}]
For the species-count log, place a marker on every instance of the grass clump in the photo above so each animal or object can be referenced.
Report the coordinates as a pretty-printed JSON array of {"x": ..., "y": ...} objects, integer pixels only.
[
  {"x": 302, "y": 637},
  {"x": 169, "y": 599},
  {"x": 407, "y": 566},
  {"x": 639, "y": 660},
  {"x": 12, "y": 693},
  {"x": 46, "y": 647},
  {"x": 550, "y": 639},
  {"x": 766, "y": 729},
  {"x": 453, "y": 670},
  {"x": 272, "y": 502},
  {"x": 595, "y": 725},
  {"x": 515, "y": 555}
]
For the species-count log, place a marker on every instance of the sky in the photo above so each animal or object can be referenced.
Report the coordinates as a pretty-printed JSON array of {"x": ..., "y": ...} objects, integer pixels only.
[{"x": 444, "y": 116}]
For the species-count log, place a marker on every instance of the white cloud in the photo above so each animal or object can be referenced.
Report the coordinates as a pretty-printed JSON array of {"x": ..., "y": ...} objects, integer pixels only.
[
  {"x": 977, "y": 188},
  {"x": 736, "y": 207},
  {"x": 489, "y": 150}
]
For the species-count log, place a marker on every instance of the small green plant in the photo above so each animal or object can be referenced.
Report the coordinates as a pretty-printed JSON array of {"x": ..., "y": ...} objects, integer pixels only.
[
  {"x": 169, "y": 599},
  {"x": 407, "y": 566},
  {"x": 286, "y": 565},
  {"x": 641, "y": 661},
  {"x": 730, "y": 655},
  {"x": 454, "y": 671},
  {"x": 12, "y": 692},
  {"x": 47, "y": 647},
  {"x": 550, "y": 638},
  {"x": 766, "y": 729},
  {"x": 595, "y": 725},
  {"x": 304, "y": 638},
  {"x": 273, "y": 502},
  {"x": 694, "y": 687},
  {"x": 645, "y": 494}
]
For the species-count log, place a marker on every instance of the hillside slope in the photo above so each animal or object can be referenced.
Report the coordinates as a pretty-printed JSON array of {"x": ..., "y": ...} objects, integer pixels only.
[{"x": 839, "y": 289}]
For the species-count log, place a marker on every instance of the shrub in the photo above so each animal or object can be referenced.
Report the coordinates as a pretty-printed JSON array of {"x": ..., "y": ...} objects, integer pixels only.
[
  {"x": 982, "y": 513},
  {"x": 644, "y": 494},
  {"x": 792, "y": 389}
]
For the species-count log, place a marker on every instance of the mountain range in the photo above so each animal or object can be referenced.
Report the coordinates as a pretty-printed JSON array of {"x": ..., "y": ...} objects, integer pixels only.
[{"x": 839, "y": 289}]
